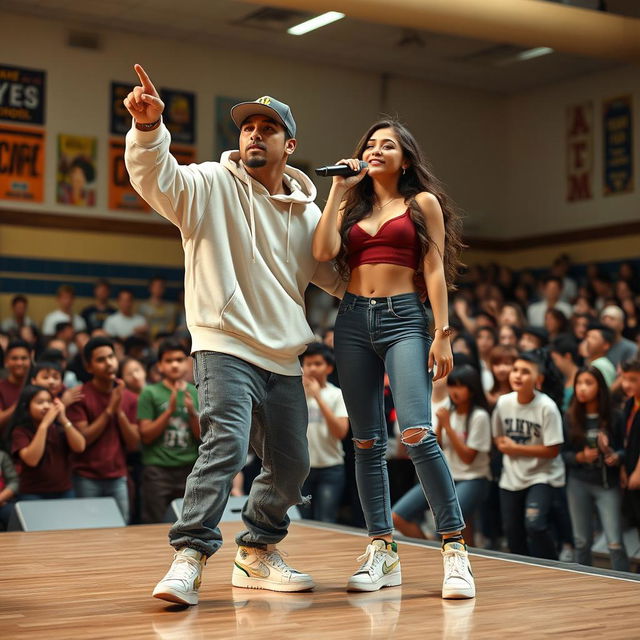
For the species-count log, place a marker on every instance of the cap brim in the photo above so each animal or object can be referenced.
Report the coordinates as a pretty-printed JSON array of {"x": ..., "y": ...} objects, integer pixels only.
[{"x": 243, "y": 110}]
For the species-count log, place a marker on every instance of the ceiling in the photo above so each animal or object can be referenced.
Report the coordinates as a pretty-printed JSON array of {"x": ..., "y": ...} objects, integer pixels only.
[{"x": 350, "y": 43}]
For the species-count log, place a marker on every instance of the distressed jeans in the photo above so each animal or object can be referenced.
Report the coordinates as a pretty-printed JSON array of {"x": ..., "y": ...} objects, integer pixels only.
[
  {"x": 371, "y": 335},
  {"x": 242, "y": 404}
]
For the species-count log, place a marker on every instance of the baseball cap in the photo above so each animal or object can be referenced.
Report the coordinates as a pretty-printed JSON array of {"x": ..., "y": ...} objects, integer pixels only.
[{"x": 267, "y": 106}]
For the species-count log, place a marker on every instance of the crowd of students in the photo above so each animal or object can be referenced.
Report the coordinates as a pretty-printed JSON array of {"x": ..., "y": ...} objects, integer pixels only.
[{"x": 538, "y": 419}]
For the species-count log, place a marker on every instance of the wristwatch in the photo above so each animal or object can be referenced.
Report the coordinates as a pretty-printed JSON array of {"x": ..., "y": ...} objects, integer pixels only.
[{"x": 446, "y": 330}]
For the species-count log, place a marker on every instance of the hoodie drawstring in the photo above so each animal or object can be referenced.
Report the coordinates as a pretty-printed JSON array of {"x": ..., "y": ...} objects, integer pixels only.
[
  {"x": 253, "y": 221},
  {"x": 288, "y": 228}
]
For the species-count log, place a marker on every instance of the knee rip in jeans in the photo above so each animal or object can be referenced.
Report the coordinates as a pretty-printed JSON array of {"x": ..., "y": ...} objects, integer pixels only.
[
  {"x": 365, "y": 444},
  {"x": 614, "y": 546},
  {"x": 413, "y": 436},
  {"x": 532, "y": 513}
]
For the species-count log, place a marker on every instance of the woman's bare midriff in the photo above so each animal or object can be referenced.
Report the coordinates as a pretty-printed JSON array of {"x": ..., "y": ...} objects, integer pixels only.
[{"x": 381, "y": 280}]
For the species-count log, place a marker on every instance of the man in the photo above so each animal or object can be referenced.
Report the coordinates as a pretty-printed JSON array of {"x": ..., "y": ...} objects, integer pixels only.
[
  {"x": 125, "y": 322},
  {"x": 551, "y": 293},
  {"x": 246, "y": 225},
  {"x": 106, "y": 415},
  {"x": 64, "y": 313},
  {"x": 17, "y": 361},
  {"x": 596, "y": 346},
  {"x": 622, "y": 349},
  {"x": 19, "y": 317},
  {"x": 159, "y": 314},
  {"x": 95, "y": 315}
]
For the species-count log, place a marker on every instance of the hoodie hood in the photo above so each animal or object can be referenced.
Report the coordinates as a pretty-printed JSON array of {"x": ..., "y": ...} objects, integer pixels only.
[{"x": 302, "y": 191}]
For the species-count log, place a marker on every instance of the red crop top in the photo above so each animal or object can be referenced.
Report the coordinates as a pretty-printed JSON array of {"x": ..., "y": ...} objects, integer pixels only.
[{"x": 396, "y": 242}]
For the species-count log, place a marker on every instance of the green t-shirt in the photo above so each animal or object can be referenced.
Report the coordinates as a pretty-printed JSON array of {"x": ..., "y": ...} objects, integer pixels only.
[{"x": 176, "y": 446}]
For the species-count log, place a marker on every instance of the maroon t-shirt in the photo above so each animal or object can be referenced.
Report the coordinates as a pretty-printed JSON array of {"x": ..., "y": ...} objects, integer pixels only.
[
  {"x": 9, "y": 394},
  {"x": 53, "y": 473},
  {"x": 105, "y": 458}
]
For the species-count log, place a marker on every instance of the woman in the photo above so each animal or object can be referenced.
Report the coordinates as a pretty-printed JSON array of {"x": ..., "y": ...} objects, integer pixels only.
[
  {"x": 593, "y": 453},
  {"x": 393, "y": 233}
]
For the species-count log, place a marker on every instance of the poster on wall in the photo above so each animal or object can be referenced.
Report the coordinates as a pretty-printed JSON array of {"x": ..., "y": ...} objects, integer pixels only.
[
  {"x": 22, "y": 94},
  {"x": 580, "y": 152},
  {"x": 76, "y": 184},
  {"x": 122, "y": 196},
  {"x": 119, "y": 117},
  {"x": 179, "y": 115},
  {"x": 21, "y": 164},
  {"x": 226, "y": 130},
  {"x": 617, "y": 135}
]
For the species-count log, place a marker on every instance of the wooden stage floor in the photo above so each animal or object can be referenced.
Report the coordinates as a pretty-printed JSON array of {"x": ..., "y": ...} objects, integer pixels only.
[{"x": 95, "y": 584}]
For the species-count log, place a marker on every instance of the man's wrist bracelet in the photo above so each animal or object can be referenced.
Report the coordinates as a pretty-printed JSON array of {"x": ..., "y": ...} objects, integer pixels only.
[{"x": 147, "y": 126}]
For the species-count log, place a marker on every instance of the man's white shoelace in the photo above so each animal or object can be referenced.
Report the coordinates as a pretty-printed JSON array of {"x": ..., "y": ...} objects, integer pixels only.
[
  {"x": 183, "y": 568},
  {"x": 367, "y": 558},
  {"x": 275, "y": 559}
]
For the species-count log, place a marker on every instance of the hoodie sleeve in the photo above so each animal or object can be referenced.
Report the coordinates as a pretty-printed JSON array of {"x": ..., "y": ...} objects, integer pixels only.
[
  {"x": 326, "y": 277},
  {"x": 178, "y": 193}
]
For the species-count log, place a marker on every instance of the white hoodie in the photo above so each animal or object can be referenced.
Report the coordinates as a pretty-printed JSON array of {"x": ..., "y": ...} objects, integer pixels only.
[{"x": 247, "y": 253}]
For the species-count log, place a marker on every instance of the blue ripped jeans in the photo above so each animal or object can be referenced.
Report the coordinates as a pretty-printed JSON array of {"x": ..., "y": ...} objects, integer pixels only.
[{"x": 371, "y": 335}]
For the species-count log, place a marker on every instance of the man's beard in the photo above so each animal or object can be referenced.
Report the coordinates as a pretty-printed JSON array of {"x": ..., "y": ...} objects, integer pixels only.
[{"x": 255, "y": 162}]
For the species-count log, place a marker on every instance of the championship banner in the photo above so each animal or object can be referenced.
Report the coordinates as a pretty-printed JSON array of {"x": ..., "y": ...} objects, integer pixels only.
[
  {"x": 76, "y": 184},
  {"x": 617, "y": 135},
  {"x": 580, "y": 152},
  {"x": 119, "y": 117},
  {"x": 179, "y": 115},
  {"x": 184, "y": 155},
  {"x": 22, "y": 94},
  {"x": 21, "y": 164},
  {"x": 122, "y": 196}
]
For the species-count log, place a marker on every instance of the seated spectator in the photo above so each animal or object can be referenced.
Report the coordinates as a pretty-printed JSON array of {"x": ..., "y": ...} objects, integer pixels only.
[
  {"x": 41, "y": 438},
  {"x": 56, "y": 351},
  {"x": 134, "y": 375},
  {"x": 603, "y": 290},
  {"x": 486, "y": 340},
  {"x": 95, "y": 314},
  {"x": 64, "y": 332},
  {"x": 501, "y": 362},
  {"x": 632, "y": 320},
  {"x": 9, "y": 486},
  {"x": 597, "y": 344},
  {"x": 564, "y": 353},
  {"x": 19, "y": 317},
  {"x": 464, "y": 342},
  {"x": 511, "y": 314},
  {"x": 107, "y": 417},
  {"x": 169, "y": 430},
  {"x": 551, "y": 294},
  {"x": 580, "y": 325},
  {"x": 621, "y": 349},
  {"x": 509, "y": 335},
  {"x": 555, "y": 323},
  {"x": 125, "y": 322},
  {"x": 328, "y": 425},
  {"x": 17, "y": 361},
  {"x": 560, "y": 269},
  {"x": 593, "y": 453},
  {"x": 630, "y": 477},
  {"x": 527, "y": 429},
  {"x": 158, "y": 312},
  {"x": 64, "y": 313},
  {"x": 49, "y": 375},
  {"x": 533, "y": 338},
  {"x": 583, "y": 306}
]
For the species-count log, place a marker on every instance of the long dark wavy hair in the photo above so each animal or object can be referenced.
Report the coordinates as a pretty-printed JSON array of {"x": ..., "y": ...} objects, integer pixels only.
[
  {"x": 467, "y": 376},
  {"x": 21, "y": 417},
  {"x": 577, "y": 412},
  {"x": 417, "y": 178}
]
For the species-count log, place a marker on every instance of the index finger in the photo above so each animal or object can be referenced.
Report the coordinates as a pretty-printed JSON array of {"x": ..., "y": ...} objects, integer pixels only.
[{"x": 147, "y": 85}]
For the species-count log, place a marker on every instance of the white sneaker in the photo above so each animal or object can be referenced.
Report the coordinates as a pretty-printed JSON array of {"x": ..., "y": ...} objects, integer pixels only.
[
  {"x": 265, "y": 569},
  {"x": 183, "y": 579},
  {"x": 458, "y": 580},
  {"x": 380, "y": 568}
]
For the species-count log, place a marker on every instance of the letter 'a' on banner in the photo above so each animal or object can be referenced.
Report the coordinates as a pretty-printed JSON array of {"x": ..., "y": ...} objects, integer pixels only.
[
  {"x": 580, "y": 152},
  {"x": 617, "y": 138},
  {"x": 21, "y": 164}
]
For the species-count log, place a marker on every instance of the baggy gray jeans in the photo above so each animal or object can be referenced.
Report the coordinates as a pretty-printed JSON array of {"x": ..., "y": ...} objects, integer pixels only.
[{"x": 241, "y": 405}]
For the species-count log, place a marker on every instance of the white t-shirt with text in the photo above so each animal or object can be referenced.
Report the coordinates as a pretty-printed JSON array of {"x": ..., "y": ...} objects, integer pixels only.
[
  {"x": 537, "y": 423},
  {"x": 325, "y": 450}
]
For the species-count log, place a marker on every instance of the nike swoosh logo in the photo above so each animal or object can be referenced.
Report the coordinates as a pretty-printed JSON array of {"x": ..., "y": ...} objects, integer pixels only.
[
  {"x": 386, "y": 568},
  {"x": 262, "y": 571}
]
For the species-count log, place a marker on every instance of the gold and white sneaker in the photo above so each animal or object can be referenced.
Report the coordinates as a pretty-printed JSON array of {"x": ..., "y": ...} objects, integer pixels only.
[
  {"x": 380, "y": 568},
  {"x": 265, "y": 569},
  {"x": 183, "y": 579},
  {"x": 458, "y": 580}
]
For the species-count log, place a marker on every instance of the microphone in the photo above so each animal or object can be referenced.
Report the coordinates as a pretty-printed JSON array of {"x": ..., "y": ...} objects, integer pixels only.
[{"x": 340, "y": 170}]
